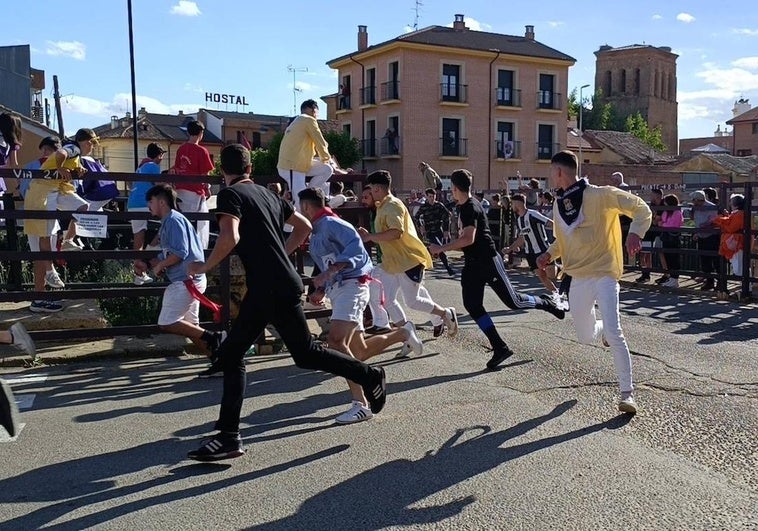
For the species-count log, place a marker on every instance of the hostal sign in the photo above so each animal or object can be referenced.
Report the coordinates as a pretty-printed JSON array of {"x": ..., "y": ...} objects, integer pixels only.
[{"x": 225, "y": 98}]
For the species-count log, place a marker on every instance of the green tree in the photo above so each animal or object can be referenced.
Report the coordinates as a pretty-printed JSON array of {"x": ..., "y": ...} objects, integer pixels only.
[
  {"x": 595, "y": 115},
  {"x": 345, "y": 149},
  {"x": 638, "y": 126}
]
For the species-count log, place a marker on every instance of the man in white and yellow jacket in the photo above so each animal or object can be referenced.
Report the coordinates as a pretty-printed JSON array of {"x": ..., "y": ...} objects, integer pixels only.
[
  {"x": 588, "y": 241},
  {"x": 304, "y": 152}
]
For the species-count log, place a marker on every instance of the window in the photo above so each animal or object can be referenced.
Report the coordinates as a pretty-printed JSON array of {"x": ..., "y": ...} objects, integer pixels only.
[
  {"x": 505, "y": 93},
  {"x": 755, "y": 128},
  {"x": 744, "y": 152},
  {"x": 369, "y": 142},
  {"x": 451, "y": 143},
  {"x": 546, "y": 97},
  {"x": 368, "y": 94},
  {"x": 622, "y": 82},
  {"x": 391, "y": 89},
  {"x": 347, "y": 130},
  {"x": 450, "y": 82},
  {"x": 390, "y": 144},
  {"x": 343, "y": 102},
  {"x": 504, "y": 143},
  {"x": 637, "y": 82},
  {"x": 545, "y": 146},
  {"x": 608, "y": 84}
]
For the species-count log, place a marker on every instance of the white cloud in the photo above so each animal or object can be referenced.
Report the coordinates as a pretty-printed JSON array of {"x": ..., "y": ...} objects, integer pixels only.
[
  {"x": 656, "y": 17},
  {"x": 748, "y": 63},
  {"x": 555, "y": 23},
  {"x": 189, "y": 87},
  {"x": 685, "y": 17},
  {"x": 746, "y": 31},
  {"x": 73, "y": 49},
  {"x": 303, "y": 86},
  {"x": 185, "y": 8},
  {"x": 121, "y": 103}
]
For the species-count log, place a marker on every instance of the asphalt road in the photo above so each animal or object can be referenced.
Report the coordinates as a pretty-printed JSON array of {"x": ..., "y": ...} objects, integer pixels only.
[{"x": 537, "y": 445}]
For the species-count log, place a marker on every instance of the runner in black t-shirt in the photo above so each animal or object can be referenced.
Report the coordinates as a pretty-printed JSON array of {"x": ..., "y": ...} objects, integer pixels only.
[
  {"x": 483, "y": 266},
  {"x": 251, "y": 219}
]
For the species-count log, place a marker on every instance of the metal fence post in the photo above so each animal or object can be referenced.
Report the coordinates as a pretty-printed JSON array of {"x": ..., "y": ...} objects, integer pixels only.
[{"x": 15, "y": 276}]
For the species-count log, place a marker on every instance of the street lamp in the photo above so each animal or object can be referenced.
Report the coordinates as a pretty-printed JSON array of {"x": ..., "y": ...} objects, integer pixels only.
[{"x": 581, "y": 131}]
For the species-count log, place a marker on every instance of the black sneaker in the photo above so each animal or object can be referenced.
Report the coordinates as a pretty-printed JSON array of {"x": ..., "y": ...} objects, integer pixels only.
[
  {"x": 550, "y": 306},
  {"x": 644, "y": 277},
  {"x": 499, "y": 355},
  {"x": 214, "y": 370},
  {"x": 376, "y": 390},
  {"x": 215, "y": 344},
  {"x": 219, "y": 447},
  {"x": 8, "y": 409},
  {"x": 377, "y": 330},
  {"x": 438, "y": 330},
  {"x": 708, "y": 285},
  {"x": 663, "y": 279}
]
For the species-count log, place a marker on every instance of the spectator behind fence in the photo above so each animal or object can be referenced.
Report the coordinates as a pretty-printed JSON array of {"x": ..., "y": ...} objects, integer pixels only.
[
  {"x": 651, "y": 239},
  {"x": 671, "y": 219},
  {"x": 194, "y": 159},
  {"x": 704, "y": 213},
  {"x": 137, "y": 202},
  {"x": 531, "y": 191},
  {"x": 732, "y": 240}
]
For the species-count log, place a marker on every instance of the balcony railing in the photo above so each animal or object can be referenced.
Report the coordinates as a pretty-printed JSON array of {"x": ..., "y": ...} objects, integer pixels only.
[
  {"x": 547, "y": 99},
  {"x": 368, "y": 95},
  {"x": 508, "y": 97},
  {"x": 389, "y": 146},
  {"x": 343, "y": 103},
  {"x": 453, "y": 147},
  {"x": 546, "y": 150},
  {"x": 510, "y": 149},
  {"x": 390, "y": 90},
  {"x": 368, "y": 148},
  {"x": 454, "y": 92}
]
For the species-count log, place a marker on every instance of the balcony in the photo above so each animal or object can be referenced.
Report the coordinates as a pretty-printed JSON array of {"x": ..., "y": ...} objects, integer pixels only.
[
  {"x": 389, "y": 147},
  {"x": 368, "y": 148},
  {"x": 368, "y": 95},
  {"x": 510, "y": 149},
  {"x": 508, "y": 97},
  {"x": 453, "y": 147},
  {"x": 343, "y": 103},
  {"x": 453, "y": 93},
  {"x": 390, "y": 91},
  {"x": 547, "y": 99},
  {"x": 546, "y": 150}
]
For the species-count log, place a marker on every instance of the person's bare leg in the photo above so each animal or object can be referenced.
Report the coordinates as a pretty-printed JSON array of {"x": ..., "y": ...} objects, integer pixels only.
[
  {"x": 365, "y": 347},
  {"x": 188, "y": 330},
  {"x": 339, "y": 338}
]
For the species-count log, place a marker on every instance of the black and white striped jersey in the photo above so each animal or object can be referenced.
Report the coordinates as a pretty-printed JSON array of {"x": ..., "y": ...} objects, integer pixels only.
[{"x": 532, "y": 227}]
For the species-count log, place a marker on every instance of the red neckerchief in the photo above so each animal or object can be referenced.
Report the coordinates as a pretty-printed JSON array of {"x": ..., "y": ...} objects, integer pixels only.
[
  {"x": 326, "y": 211},
  {"x": 205, "y": 301}
]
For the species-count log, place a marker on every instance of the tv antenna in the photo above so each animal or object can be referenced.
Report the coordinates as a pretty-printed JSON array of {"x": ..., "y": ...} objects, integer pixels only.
[
  {"x": 295, "y": 90},
  {"x": 416, "y": 9}
]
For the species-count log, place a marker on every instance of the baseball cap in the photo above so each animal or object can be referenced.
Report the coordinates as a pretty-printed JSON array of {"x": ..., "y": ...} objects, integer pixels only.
[
  {"x": 50, "y": 141},
  {"x": 698, "y": 195},
  {"x": 153, "y": 150}
]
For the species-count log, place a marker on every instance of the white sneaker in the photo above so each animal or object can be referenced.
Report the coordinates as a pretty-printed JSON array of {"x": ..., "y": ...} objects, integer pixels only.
[
  {"x": 153, "y": 248},
  {"x": 412, "y": 341},
  {"x": 627, "y": 405},
  {"x": 671, "y": 283},
  {"x": 357, "y": 413},
  {"x": 451, "y": 321},
  {"x": 140, "y": 280},
  {"x": 23, "y": 340},
  {"x": 70, "y": 245},
  {"x": 53, "y": 280}
]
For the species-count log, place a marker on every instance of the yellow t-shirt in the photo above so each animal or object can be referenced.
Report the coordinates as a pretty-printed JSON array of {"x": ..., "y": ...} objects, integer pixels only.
[
  {"x": 593, "y": 248},
  {"x": 406, "y": 252},
  {"x": 37, "y": 195},
  {"x": 301, "y": 140},
  {"x": 72, "y": 162}
]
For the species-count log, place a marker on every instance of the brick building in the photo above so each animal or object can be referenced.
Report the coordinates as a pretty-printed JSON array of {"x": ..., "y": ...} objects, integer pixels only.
[
  {"x": 454, "y": 97},
  {"x": 640, "y": 78},
  {"x": 745, "y": 129}
]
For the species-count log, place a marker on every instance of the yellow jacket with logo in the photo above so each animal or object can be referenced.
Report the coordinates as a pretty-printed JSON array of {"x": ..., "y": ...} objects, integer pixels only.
[{"x": 302, "y": 139}]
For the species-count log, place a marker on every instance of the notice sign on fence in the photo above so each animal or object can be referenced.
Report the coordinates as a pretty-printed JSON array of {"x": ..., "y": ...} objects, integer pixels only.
[{"x": 91, "y": 226}]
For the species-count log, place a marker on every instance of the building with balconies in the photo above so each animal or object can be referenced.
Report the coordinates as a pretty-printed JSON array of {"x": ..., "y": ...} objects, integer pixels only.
[
  {"x": 21, "y": 86},
  {"x": 454, "y": 97}
]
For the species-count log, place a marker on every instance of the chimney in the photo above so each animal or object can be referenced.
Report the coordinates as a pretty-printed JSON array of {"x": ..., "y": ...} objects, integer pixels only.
[
  {"x": 362, "y": 38},
  {"x": 529, "y": 34},
  {"x": 741, "y": 106},
  {"x": 142, "y": 112},
  {"x": 181, "y": 113},
  {"x": 114, "y": 121},
  {"x": 458, "y": 23}
]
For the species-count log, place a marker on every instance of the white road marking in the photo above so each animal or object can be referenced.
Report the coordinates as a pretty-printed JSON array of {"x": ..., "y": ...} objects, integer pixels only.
[
  {"x": 28, "y": 378},
  {"x": 25, "y": 401}
]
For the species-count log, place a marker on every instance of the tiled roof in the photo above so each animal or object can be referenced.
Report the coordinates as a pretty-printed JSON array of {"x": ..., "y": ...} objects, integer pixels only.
[
  {"x": 738, "y": 165},
  {"x": 473, "y": 40},
  {"x": 628, "y": 146},
  {"x": 572, "y": 141},
  {"x": 166, "y": 127},
  {"x": 747, "y": 116},
  {"x": 271, "y": 119}
]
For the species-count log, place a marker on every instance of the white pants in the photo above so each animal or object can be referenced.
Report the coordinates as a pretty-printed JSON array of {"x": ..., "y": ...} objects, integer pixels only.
[
  {"x": 320, "y": 173},
  {"x": 582, "y": 297},
  {"x": 192, "y": 202},
  {"x": 736, "y": 262},
  {"x": 379, "y": 315},
  {"x": 415, "y": 296}
]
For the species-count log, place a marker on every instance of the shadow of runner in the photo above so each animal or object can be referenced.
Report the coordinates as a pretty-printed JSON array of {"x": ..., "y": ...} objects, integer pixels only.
[{"x": 390, "y": 496}]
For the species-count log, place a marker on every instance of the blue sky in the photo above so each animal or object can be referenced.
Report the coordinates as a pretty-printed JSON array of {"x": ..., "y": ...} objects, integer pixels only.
[{"x": 184, "y": 48}]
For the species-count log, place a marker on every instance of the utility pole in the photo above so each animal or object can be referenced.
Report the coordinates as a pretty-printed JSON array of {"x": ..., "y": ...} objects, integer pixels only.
[
  {"x": 295, "y": 90},
  {"x": 415, "y": 19},
  {"x": 58, "y": 111},
  {"x": 134, "y": 84}
]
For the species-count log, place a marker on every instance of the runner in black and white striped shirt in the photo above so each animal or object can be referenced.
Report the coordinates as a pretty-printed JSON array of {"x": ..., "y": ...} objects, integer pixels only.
[{"x": 532, "y": 238}]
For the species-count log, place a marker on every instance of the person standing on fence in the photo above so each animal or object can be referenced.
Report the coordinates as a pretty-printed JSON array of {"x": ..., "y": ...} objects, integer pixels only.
[
  {"x": 251, "y": 220},
  {"x": 301, "y": 140},
  {"x": 137, "y": 202},
  {"x": 404, "y": 259},
  {"x": 483, "y": 266},
  {"x": 194, "y": 159},
  {"x": 181, "y": 246},
  {"x": 18, "y": 336},
  {"x": 588, "y": 242},
  {"x": 704, "y": 213},
  {"x": 345, "y": 265},
  {"x": 435, "y": 219}
]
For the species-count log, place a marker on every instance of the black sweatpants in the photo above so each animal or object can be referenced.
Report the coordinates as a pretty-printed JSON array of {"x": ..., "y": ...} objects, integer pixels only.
[
  {"x": 286, "y": 314},
  {"x": 477, "y": 274}
]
